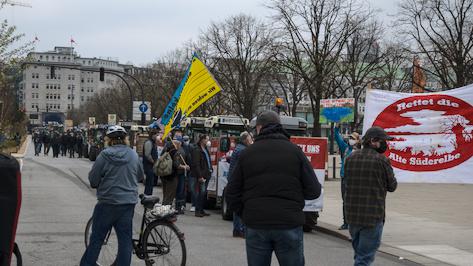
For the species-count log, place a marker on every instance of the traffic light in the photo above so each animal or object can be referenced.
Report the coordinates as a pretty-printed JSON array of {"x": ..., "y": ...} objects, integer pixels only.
[
  {"x": 53, "y": 74},
  {"x": 102, "y": 74}
]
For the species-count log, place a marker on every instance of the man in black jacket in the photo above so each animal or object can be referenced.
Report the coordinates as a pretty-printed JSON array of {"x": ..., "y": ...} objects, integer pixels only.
[
  {"x": 201, "y": 170},
  {"x": 268, "y": 187}
]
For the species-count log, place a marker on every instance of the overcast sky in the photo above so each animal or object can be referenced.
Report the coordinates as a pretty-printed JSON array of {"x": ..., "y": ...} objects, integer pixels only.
[{"x": 136, "y": 31}]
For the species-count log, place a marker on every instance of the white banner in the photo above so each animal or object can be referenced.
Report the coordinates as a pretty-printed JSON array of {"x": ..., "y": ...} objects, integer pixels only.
[{"x": 433, "y": 133}]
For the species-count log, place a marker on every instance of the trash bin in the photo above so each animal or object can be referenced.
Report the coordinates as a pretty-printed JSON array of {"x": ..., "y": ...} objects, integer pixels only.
[{"x": 10, "y": 202}]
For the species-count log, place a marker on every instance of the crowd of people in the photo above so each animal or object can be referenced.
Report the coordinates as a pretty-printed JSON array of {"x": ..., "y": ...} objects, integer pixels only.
[
  {"x": 65, "y": 144},
  {"x": 269, "y": 180}
]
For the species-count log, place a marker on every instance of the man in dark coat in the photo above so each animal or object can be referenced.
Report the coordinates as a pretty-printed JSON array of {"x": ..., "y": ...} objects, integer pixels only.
[
  {"x": 268, "y": 187},
  {"x": 201, "y": 170},
  {"x": 46, "y": 142},
  {"x": 63, "y": 144},
  {"x": 55, "y": 143}
]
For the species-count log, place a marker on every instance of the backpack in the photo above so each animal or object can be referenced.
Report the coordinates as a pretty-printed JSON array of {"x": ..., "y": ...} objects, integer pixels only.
[{"x": 164, "y": 165}]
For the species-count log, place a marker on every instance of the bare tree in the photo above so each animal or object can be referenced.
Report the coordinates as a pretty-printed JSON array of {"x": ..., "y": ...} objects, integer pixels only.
[
  {"x": 317, "y": 31},
  {"x": 362, "y": 62},
  {"x": 395, "y": 72},
  {"x": 443, "y": 33},
  {"x": 240, "y": 51}
]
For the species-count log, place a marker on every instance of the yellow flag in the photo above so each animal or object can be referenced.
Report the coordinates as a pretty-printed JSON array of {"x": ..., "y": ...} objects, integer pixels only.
[{"x": 199, "y": 87}]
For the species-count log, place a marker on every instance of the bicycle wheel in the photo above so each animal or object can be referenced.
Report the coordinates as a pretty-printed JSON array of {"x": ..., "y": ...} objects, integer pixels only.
[
  {"x": 109, "y": 250},
  {"x": 163, "y": 244},
  {"x": 16, "y": 257}
]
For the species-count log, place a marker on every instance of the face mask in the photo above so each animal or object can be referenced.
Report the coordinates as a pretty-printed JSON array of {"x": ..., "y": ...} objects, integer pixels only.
[
  {"x": 209, "y": 144},
  {"x": 382, "y": 147},
  {"x": 352, "y": 142}
]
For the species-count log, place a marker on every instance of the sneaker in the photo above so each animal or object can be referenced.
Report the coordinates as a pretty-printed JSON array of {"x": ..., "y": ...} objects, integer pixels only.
[
  {"x": 343, "y": 227},
  {"x": 192, "y": 209},
  {"x": 205, "y": 213},
  {"x": 197, "y": 214}
]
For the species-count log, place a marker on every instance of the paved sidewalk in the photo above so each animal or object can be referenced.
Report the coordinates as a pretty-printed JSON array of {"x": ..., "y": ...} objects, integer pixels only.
[{"x": 427, "y": 223}]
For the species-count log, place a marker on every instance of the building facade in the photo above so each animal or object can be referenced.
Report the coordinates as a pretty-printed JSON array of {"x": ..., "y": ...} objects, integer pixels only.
[{"x": 76, "y": 79}]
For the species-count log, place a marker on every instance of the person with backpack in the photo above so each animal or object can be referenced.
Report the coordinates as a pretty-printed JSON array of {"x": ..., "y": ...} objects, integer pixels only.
[
  {"x": 115, "y": 174},
  {"x": 150, "y": 155},
  {"x": 345, "y": 150},
  {"x": 170, "y": 181}
]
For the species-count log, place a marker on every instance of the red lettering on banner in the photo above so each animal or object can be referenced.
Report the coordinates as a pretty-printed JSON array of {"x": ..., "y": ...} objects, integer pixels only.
[{"x": 432, "y": 132}]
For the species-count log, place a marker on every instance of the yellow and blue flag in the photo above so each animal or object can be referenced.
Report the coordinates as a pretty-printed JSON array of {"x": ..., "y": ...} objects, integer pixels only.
[{"x": 197, "y": 87}]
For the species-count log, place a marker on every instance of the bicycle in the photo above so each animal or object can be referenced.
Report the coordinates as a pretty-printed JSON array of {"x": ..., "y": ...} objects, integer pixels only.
[{"x": 156, "y": 240}]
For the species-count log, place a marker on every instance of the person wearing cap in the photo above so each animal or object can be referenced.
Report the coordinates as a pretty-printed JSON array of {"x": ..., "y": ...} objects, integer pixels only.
[
  {"x": 115, "y": 174},
  {"x": 369, "y": 176},
  {"x": 267, "y": 189},
  {"x": 345, "y": 150}
]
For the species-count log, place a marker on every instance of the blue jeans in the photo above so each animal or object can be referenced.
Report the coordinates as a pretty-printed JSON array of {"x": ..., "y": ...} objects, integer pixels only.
[
  {"x": 238, "y": 225},
  {"x": 149, "y": 181},
  {"x": 37, "y": 148},
  {"x": 106, "y": 216},
  {"x": 191, "y": 185},
  {"x": 365, "y": 242},
  {"x": 181, "y": 191},
  {"x": 287, "y": 244},
  {"x": 200, "y": 196}
]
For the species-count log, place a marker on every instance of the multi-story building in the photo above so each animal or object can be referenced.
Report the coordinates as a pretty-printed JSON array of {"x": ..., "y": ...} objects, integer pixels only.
[{"x": 76, "y": 79}]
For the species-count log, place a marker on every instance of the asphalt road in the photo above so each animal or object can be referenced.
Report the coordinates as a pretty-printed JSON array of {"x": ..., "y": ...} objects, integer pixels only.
[{"x": 57, "y": 203}]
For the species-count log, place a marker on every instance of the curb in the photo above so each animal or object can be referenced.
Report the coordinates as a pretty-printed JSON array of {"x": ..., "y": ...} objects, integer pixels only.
[{"x": 400, "y": 254}]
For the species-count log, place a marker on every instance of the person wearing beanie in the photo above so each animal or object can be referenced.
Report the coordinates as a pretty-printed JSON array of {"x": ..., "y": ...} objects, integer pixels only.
[{"x": 267, "y": 188}]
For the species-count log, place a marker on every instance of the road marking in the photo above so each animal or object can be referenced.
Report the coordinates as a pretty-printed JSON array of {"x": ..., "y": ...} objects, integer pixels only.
[{"x": 442, "y": 253}]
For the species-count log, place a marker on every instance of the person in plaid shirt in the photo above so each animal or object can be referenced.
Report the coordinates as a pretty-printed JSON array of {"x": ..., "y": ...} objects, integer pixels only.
[{"x": 369, "y": 176}]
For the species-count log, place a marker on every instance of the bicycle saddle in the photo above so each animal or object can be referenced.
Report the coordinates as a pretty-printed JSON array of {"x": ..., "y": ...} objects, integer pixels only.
[{"x": 149, "y": 201}]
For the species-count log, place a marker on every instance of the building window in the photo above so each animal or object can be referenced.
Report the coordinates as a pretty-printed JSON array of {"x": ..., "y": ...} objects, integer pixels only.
[
  {"x": 68, "y": 107},
  {"x": 82, "y": 98},
  {"x": 68, "y": 96},
  {"x": 59, "y": 96}
]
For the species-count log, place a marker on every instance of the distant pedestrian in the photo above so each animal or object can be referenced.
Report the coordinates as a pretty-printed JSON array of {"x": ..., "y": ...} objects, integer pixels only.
[
  {"x": 55, "y": 143},
  {"x": 201, "y": 171},
  {"x": 71, "y": 144},
  {"x": 345, "y": 150},
  {"x": 115, "y": 174},
  {"x": 79, "y": 144},
  {"x": 63, "y": 144},
  {"x": 182, "y": 168},
  {"x": 268, "y": 187},
  {"x": 244, "y": 141},
  {"x": 37, "y": 140},
  {"x": 190, "y": 180},
  {"x": 46, "y": 142},
  {"x": 369, "y": 176},
  {"x": 150, "y": 156}
]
